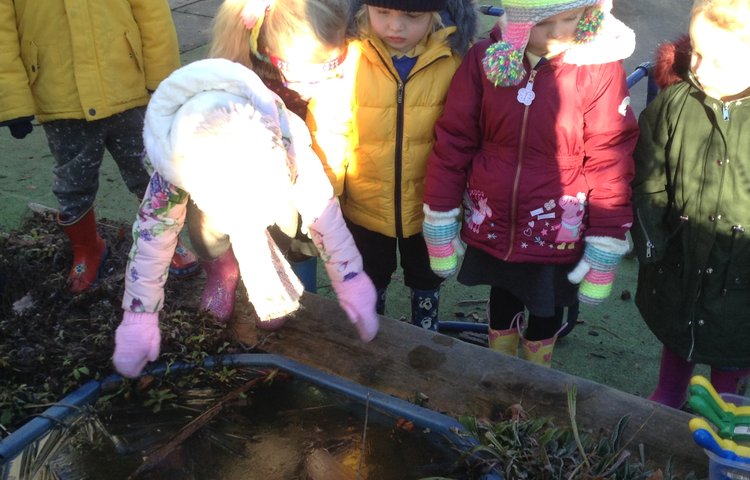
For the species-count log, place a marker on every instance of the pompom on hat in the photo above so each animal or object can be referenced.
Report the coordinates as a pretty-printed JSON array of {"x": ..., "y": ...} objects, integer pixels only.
[
  {"x": 409, "y": 5},
  {"x": 503, "y": 61}
]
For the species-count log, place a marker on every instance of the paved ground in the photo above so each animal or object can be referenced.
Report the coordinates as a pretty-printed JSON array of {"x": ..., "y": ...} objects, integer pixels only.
[{"x": 612, "y": 347}]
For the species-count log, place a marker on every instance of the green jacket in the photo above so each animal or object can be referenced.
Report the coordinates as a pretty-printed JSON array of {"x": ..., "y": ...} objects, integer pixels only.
[
  {"x": 82, "y": 59},
  {"x": 691, "y": 197}
]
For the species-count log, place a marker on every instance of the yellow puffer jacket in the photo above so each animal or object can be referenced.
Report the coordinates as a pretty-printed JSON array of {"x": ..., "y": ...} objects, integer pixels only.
[
  {"x": 76, "y": 59},
  {"x": 380, "y": 181}
]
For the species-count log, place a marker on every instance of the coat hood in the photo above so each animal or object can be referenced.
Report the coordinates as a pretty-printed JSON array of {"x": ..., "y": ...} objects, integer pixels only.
[
  {"x": 462, "y": 14},
  {"x": 213, "y": 129},
  {"x": 672, "y": 62}
]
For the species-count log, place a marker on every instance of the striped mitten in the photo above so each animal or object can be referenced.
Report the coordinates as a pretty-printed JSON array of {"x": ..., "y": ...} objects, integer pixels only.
[
  {"x": 596, "y": 269},
  {"x": 440, "y": 231}
]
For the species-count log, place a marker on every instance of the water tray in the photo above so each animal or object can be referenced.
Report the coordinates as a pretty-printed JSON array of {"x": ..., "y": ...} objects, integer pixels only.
[{"x": 33, "y": 433}]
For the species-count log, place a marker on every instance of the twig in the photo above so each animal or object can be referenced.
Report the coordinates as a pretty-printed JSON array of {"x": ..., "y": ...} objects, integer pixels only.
[
  {"x": 364, "y": 439},
  {"x": 481, "y": 301},
  {"x": 608, "y": 331},
  {"x": 188, "y": 430},
  {"x": 572, "y": 412}
]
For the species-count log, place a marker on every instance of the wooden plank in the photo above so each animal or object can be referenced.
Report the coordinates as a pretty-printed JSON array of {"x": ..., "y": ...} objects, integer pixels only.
[{"x": 464, "y": 379}]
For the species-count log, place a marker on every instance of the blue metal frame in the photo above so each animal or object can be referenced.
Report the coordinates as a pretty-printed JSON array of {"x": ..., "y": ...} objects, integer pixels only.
[{"x": 72, "y": 404}]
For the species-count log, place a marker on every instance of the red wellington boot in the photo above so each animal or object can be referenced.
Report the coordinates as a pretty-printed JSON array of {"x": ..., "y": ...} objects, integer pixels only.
[
  {"x": 89, "y": 252},
  {"x": 184, "y": 263}
]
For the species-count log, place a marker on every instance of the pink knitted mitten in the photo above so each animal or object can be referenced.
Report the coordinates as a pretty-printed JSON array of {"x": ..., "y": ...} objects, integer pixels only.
[
  {"x": 137, "y": 342},
  {"x": 357, "y": 298}
]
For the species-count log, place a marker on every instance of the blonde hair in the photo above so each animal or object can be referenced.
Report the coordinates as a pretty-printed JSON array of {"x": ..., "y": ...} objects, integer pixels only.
[
  {"x": 364, "y": 29},
  {"x": 323, "y": 20},
  {"x": 730, "y": 15}
]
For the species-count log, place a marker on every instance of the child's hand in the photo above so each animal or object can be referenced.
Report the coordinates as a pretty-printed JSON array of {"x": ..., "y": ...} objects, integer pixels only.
[
  {"x": 440, "y": 231},
  {"x": 20, "y": 127},
  {"x": 596, "y": 269},
  {"x": 137, "y": 341},
  {"x": 357, "y": 298}
]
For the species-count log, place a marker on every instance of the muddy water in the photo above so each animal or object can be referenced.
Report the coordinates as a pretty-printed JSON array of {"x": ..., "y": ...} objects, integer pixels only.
[{"x": 269, "y": 435}]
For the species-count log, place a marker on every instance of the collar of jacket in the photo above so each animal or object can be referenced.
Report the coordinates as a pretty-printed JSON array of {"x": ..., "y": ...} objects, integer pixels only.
[{"x": 377, "y": 52}]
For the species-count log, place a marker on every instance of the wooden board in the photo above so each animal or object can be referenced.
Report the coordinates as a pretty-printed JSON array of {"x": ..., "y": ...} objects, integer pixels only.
[{"x": 464, "y": 379}]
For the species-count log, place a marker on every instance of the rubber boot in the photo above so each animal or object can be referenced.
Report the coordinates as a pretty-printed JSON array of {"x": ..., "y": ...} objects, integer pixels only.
[
  {"x": 674, "y": 378},
  {"x": 184, "y": 262},
  {"x": 89, "y": 252},
  {"x": 506, "y": 341},
  {"x": 540, "y": 351},
  {"x": 307, "y": 272},
  {"x": 727, "y": 380},
  {"x": 380, "y": 302},
  {"x": 222, "y": 276},
  {"x": 571, "y": 318},
  {"x": 424, "y": 308}
]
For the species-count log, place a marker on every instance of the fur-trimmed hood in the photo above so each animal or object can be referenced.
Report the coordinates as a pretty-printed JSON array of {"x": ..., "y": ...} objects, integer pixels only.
[
  {"x": 213, "y": 129},
  {"x": 462, "y": 14},
  {"x": 672, "y": 62}
]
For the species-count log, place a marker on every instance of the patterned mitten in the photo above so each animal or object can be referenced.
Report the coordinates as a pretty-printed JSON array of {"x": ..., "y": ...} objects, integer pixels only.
[
  {"x": 440, "y": 231},
  {"x": 596, "y": 270},
  {"x": 343, "y": 263},
  {"x": 137, "y": 342}
]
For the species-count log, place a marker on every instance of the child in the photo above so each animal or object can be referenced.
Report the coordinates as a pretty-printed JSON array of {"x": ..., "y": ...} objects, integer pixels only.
[
  {"x": 88, "y": 87},
  {"x": 537, "y": 139},
  {"x": 215, "y": 132},
  {"x": 690, "y": 198},
  {"x": 407, "y": 57},
  {"x": 245, "y": 31}
]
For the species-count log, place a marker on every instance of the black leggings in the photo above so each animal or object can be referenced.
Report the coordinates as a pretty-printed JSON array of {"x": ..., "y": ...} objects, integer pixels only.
[{"x": 504, "y": 307}]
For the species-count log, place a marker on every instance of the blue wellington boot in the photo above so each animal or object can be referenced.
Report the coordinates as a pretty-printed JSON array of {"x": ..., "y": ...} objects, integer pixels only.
[{"x": 424, "y": 308}]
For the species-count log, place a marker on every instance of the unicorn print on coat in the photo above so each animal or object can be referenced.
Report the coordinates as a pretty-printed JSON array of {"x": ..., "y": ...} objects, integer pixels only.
[{"x": 476, "y": 212}]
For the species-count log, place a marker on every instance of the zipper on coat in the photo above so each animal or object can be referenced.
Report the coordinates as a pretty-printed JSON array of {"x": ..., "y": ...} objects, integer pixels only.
[
  {"x": 692, "y": 320},
  {"x": 399, "y": 158},
  {"x": 516, "y": 181},
  {"x": 649, "y": 243},
  {"x": 519, "y": 161},
  {"x": 725, "y": 111}
]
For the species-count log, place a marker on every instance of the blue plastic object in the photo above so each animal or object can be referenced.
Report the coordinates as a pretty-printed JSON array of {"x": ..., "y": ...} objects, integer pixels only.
[
  {"x": 307, "y": 272},
  {"x": 69, "y": 406},
  {"x": 491, "y": 10}
]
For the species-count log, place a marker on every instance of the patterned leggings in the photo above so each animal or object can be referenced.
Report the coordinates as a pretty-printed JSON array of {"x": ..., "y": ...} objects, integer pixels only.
[{"x": 78, "y": 147}]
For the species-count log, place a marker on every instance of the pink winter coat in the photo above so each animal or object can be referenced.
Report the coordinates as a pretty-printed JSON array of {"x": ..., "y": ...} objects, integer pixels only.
[{"x": 534, "y": 179}]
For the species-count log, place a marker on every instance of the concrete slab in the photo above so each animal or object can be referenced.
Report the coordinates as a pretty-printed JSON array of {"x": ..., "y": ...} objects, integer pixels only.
[{"x": 193, "y": 30}]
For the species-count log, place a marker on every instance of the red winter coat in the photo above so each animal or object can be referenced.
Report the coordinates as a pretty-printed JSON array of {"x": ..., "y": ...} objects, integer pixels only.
[{"x": 524, "y": 171}]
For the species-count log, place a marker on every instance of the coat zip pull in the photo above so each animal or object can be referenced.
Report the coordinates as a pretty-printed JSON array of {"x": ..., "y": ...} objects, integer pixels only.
[
  {"x": 725, "y": 111},
  {"x": 649, "y": 243}
]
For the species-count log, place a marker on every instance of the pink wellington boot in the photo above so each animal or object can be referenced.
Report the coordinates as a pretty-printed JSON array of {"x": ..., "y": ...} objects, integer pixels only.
[
  {"x": 222, "y": 276},
  {"x": 674, "y": 378}
]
